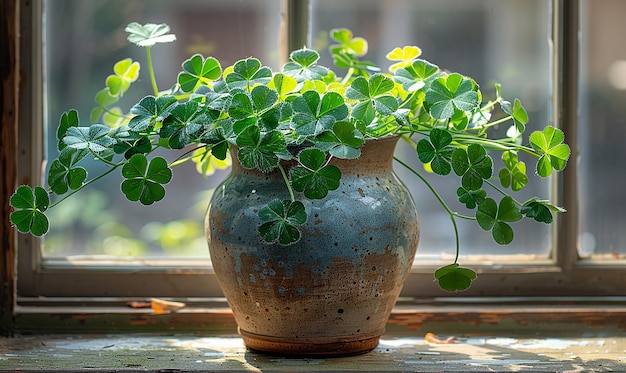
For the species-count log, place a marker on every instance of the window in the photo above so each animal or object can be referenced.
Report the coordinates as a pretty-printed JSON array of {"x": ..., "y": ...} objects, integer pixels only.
[{"x": 530, "y": 46}]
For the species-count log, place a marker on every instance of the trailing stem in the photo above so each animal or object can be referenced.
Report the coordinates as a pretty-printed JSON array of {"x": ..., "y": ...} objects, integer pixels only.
[{"x": 442, "y": 202}]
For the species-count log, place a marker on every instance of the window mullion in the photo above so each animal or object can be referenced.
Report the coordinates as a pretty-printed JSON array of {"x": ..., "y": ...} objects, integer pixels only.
[
  {"x": 295, "y": 27},
  {"x": 566, "y": 33}
]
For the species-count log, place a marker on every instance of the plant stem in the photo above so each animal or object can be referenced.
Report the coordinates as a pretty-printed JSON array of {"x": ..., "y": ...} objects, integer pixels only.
[
  {"x": 289, "y": 188},
  {"x": 151, "y": 69},
  {"x": 494, "y": 186},
  {"x": 115, "y": 166},
  {"x": 441, "y": 201}
]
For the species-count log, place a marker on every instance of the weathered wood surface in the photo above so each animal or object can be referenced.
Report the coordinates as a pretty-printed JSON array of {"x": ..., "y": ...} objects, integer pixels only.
[
  {"x": 182, "y": 353},
  {"x": 9, "y": 54}
]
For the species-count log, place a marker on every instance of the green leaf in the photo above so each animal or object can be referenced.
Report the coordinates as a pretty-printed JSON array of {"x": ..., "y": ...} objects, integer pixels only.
[
  {"x": 68, "y": 119},
  {"x": 144, "y": 181},
  {"x": 62, "y": 174},
  {"x": 283, "y": 84},
  {"x": 415, "y": 76},
  {"x": 29, "y": 210},
  {"x": 437, "y": 151},
  {"x": 553, "y": 152},
  {"x": 198, "y": 70},
  {"x": 451, "y": 92},
  {"x": 314, "y": 177},
  {"x": 454, "y": 278},
  {"x": 281, "y": 220},
  {"x": 149, "y": 111},
  {"x": 94, "y": 138},
  {"x": 473, "y": 165},
  {"x": 314, "y": 114},
  {"x": 372, "y": 96},
  {"x": 471, "y": 198},
  {"x": 125, "y": 72},
  {"x": 149, "y": 34},
  {"x": 346, "y": 141},
  {"x": 183, "y": 125},
  {"x": 263, "y": 98},
  {"x": 302, "y": 65},
  {"x": 540, "y": 210},
  {"x": 240, "y": 106},
  {"x": 248, "y": 73},
  {"x": 259, "y": 151},
  {"x": 518, "y": 112},
  {"x": 513, "y": 174},
  {"x": 495, "y": 218},
  {"x": 347, "y": 42}
]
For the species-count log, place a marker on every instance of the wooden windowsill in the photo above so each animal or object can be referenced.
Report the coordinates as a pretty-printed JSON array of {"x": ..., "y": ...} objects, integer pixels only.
[
  {"x": 568, "y": 334},
  {"x": 465, "y": 315}
]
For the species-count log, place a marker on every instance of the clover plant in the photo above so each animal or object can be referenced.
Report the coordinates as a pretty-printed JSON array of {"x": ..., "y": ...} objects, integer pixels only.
[{"x": 213, "y": 108}]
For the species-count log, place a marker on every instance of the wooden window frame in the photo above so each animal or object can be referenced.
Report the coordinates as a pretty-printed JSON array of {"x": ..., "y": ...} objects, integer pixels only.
[{"x": 563, "y": 276}]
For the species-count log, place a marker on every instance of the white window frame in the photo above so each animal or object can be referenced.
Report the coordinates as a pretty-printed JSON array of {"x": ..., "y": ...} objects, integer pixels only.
[{"x": 563, "y": 274}]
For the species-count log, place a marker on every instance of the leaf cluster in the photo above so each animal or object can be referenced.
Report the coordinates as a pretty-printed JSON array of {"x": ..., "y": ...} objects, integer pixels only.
[{"x": 261, "y": 116}]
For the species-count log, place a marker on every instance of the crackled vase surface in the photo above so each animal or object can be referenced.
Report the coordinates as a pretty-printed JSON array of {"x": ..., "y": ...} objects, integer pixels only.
[{"x": 331, "y": 293}]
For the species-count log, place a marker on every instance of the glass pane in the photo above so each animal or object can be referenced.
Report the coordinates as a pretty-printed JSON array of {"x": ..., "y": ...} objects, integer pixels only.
[
  {"x": 490, "y": 40},
  {"x": 602, "y": 128},
  {"x": 84, "y": 39}
]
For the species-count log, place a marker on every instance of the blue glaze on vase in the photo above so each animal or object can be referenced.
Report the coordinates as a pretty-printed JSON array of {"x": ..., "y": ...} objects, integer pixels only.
[{"x": 332, "y": 291}]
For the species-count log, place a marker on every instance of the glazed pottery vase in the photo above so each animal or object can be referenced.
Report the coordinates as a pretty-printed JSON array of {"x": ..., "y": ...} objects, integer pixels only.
[{"x": 332, "y": 292}]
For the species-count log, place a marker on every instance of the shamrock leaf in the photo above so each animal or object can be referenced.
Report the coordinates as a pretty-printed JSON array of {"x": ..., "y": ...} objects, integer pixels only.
[
  {"x": 29, "y": 210},
  {"x": 184, "y": 124},
  {"x": 513, "y": 173},
  {"x": 149, "y": 34},
  {"x": 218, "y": 144},
  {"x": 314, "y": 114},
  {"x": 495, "y": 218},
  {"x": 240, "y": 106},
  {"x": 302, "y": 65},
  {"x": 248, "y": 73},
  {"x": 473, "y": 165},
  {"x": 313, "y": 176},
  {"x": 449, "y": 93},
  {"x": 347, "y": 42},
  {"x": 454, "y": 278},
  {"x": 405, "y": 56},
  {"x": 62, "y": 174},
  {"x": 372, "y": 96},
  {"x": 518, "y": 112},
  {"x": 94, "y": 138},
  {"x": 275, "y": 116},
  {"x": 343, "y": 141},
  {"x": 197, "y": 71},
  {"x": 283, "y": 84},
  {"x": 150, "y": 110},
  {"x": 133, "y": 145},
  {"x": 68, "y": 119},
  {"x": 125, "y": 72},
  {"x": 259, "y": 151},
  {"x": 263, "y": 98},
  {"x": 437, "y": 151},
  {"x": 553, "y": 152},
  {"x": 144, "y": 181},
  {"x": 281, "y": 219},
  {"x": 414, "y": 76},
  {"x": 471, "y": 198},
  {"x": 540, "y": 210}
]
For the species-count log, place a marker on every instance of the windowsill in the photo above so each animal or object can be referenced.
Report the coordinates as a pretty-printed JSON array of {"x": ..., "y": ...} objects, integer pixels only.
[
  {"x": 537, "y": 334},
  {"x": 524, "y": 315},
  {"x": 212, "y": 352}
]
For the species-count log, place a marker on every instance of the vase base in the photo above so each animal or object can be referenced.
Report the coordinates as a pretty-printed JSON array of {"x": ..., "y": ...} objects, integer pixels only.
[{"x": 321, "y": 346}]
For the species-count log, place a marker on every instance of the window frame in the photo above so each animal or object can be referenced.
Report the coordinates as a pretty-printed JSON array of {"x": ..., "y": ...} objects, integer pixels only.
[{"x": 563, "y": 275}]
